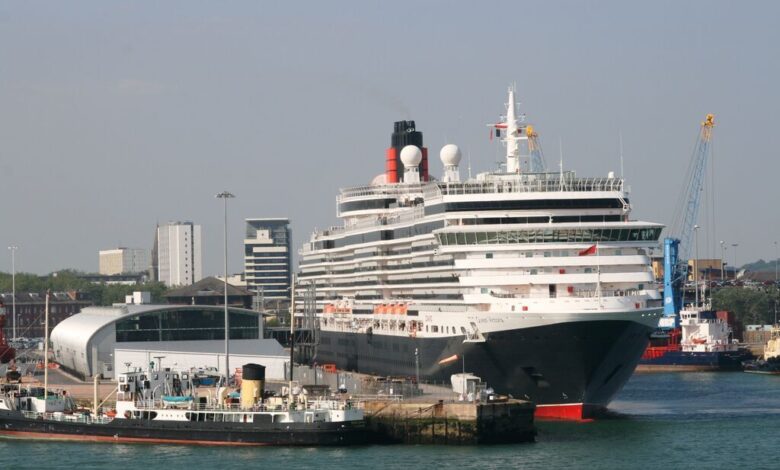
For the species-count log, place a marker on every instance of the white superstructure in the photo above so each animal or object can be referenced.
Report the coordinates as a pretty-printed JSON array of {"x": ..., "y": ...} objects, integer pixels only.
[
  {"x": 548, "y": 246},
  {"x": 702, "y": 331}
]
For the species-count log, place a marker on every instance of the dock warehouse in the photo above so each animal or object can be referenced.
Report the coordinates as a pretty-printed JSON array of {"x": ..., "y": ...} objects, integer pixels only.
[{"x": 101, "y": 340}]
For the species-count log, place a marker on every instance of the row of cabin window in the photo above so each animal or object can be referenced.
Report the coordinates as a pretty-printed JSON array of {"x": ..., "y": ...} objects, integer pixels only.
[
  {"x": 436, "y": 328},
  {"x": 549, "y": 236}
]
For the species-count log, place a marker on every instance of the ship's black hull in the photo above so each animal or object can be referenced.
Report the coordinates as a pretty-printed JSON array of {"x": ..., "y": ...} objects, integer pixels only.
[
  {"x": 14, "y": 424},
  {"x": 576, "y": 366}
]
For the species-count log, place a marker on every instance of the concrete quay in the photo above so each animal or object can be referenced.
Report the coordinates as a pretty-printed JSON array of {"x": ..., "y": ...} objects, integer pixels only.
[{"x": 454, "y": 423}]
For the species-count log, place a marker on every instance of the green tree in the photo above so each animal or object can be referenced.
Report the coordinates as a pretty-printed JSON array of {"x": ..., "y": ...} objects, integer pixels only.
[
  {"x": 750, "y": 306},
  {"x": 69, "y": 280}
]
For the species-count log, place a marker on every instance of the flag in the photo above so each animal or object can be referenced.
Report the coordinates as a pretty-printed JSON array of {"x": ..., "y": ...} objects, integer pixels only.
[
  {"x": 447, "y": 360},
  {"x": 589, "y": 250}
]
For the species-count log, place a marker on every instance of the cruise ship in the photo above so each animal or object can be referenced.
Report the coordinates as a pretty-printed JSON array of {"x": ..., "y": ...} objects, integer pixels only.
[{"x": 538, "y": 282}]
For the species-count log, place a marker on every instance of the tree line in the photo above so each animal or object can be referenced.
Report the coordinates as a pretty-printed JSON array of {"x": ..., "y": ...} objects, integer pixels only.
[
  {"x": 751, "y": 306},
  {"x": 70, "y": 280}
]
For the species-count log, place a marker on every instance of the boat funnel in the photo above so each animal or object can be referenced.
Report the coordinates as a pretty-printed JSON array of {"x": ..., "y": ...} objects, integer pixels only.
[
  {"x": 252, "y": 382},
  {"x": 404, "y": 134}
]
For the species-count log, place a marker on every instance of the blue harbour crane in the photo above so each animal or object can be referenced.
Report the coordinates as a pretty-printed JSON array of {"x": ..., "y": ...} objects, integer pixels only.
[{"x": 677, "y": 249}]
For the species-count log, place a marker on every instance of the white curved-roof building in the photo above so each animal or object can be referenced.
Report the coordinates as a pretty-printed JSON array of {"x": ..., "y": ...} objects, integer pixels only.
[{"x": 100, "y": 340}]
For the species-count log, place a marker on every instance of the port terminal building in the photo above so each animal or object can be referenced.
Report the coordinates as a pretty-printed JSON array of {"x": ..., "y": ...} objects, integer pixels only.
[{"x": 104, "y": 340}]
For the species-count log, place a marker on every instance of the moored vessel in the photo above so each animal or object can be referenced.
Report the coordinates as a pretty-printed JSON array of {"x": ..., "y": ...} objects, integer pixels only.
[
  {"x": 538, "y": 281},
  {"x": 160, "y": 406},
  {"x": 703, "y": 342}
]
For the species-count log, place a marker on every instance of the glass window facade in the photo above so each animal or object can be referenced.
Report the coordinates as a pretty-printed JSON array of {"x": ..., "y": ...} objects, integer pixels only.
[
  {"x": 186, "y": 325},
  {"x": 267, "y": 257},
  {"x": 550, "y": 235}
]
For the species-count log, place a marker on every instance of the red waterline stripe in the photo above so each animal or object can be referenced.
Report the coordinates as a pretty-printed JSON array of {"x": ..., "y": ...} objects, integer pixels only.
[
  {"x": 571, "y": 412},
  {"x": 121, "y": 440}
]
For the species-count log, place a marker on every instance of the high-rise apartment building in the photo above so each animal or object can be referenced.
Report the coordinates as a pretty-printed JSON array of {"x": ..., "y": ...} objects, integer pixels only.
[
  {"x": 268, "y": 258},
  {"x": 179, "y": 255},
  {"x": 123, "y": 261}
]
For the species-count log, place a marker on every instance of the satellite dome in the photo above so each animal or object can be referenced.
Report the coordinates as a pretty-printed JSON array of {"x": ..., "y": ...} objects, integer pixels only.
[
  {"x": 411, "y": 156},
  {"x": 379, "y": 180},
  {"x": 450, "y": 155}
]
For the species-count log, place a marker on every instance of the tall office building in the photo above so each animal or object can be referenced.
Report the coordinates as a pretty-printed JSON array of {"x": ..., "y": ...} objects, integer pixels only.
[
  {"x": 179, "y": 258},
  {"x": 123, "y": 261},
  {"x": 267, "y": 258}
]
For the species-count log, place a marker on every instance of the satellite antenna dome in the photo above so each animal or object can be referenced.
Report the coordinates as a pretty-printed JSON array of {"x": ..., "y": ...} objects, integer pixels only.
[
  {"x": 411, "y": 156},
  {"x": 379, "y": 180},
  {"x": 450, "y": 155}
]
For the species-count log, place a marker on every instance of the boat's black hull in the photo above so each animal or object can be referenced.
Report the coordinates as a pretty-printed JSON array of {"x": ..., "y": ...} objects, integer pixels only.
[
  {"x": 700, "y": 361},
  {"x": 14, "y": 424},
  {"x": 576, "y": 367}
]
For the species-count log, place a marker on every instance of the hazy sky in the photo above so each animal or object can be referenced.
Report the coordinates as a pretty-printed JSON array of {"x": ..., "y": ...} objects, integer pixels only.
[{"x": 116, "y": 115}]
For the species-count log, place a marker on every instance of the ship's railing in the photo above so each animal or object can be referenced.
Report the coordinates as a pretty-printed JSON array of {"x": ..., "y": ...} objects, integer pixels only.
[
  {"x": 311, "y": 404},
  {"x": 523, "y": 183},
  {"x": 380, "y": 190},
  {"x": 577, "y": 293},
  {"x": 527, "y": 184},
  {"x": 406, "y": 216},
  {"x": 81, "y": 418}
]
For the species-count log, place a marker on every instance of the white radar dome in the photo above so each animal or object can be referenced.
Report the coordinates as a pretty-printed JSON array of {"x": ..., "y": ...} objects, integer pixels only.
[
  {"x": 450, "y": 155},
  {"x": 411, "y": 156}
]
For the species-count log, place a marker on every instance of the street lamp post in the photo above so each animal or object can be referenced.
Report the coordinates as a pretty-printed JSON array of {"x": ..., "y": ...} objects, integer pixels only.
[
  {"x": 722, "y": 261},
  {"x": 735, "y": 245},
  {"x": 13, "y": 249},
  {"x": 225, "y": 195}
]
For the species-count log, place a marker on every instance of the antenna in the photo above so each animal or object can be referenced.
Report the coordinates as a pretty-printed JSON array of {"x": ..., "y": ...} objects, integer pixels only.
[
  {"x": 560, "y": 164},
  {"x": 620, "y": 137},
  {"x": 469, "y": 155}
]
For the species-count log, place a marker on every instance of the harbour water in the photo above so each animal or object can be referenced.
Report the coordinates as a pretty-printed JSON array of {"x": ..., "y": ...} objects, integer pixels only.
[{"x": 664, "y": 420}]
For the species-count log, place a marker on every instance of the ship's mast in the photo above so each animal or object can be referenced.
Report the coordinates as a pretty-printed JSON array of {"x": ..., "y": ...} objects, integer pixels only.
[{"x": 512, "y": 135}]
